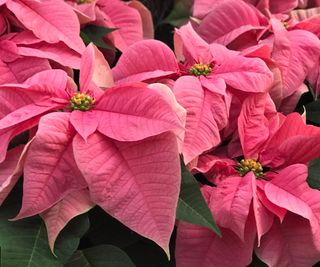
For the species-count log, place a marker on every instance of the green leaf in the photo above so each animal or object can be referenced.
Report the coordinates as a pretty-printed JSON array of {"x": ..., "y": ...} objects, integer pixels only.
[
  {"x": 69, "y": 238},
  {"x": 179, "y": 15},
  {"x": 192, "y": 207},
  {"x": 95, "y": 34},
  {"x": 25, "y": 243},
  {"x": 313, "y": 112},
  {"x": 100, "y": 256},
  {"x": 314, "y": 174}
]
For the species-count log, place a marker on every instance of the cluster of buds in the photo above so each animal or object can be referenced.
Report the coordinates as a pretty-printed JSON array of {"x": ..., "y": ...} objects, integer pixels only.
[
  {"x": 84, "y": 1},
  {"x": 81, "y": 101},
  {"x": 200, "y": 69},
  {"x": 250, "y": 165}
]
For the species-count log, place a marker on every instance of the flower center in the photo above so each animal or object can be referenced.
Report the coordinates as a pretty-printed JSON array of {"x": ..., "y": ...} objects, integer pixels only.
[
  {"x": 79, "y": 2},
  {"x": 81, "y": 101},
  {"x": 250, "y": 165},
  {"x": 200, "y": 69},
  {"x": 285, "y": 24}
]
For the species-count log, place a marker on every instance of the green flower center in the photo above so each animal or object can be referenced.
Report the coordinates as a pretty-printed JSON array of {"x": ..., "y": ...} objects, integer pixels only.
[
  {"x": 285, "y": 24},
  {"x": 79, "y": 2},
  {"x": 200, "y": 69},
  {"x": 81, "y": 101},
  {"x": 250, "y": 165}
]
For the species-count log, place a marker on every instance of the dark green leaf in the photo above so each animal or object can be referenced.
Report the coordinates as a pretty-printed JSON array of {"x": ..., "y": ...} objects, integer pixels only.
[
  {"x": 100, "y": 256},
  {"x": 192, "y": 207},
  {"x": 95, "y": 34},
  {"x": 314, "y": 174},
  {"x": 179, "y": 15},
  {"x": 69, "y": 238},
  {"x": 313, "y": 112},
  {"x": 25, "y": 243}
]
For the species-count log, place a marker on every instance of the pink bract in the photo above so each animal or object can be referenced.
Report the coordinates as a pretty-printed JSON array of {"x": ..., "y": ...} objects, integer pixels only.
[
  {"x": 280, "y": 194},
  {"x": 124, "y": 147},
  {"x": 205, "y": 97},
  {"x": 132, "y": 21}
]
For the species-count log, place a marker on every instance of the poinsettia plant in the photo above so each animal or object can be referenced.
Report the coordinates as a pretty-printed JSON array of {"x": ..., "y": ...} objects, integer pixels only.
[{"x": 181, "y": 133}]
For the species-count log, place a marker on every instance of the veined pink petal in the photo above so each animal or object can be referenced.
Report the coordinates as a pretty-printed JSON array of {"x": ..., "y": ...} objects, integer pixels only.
[
  {"x": 263, "y": 217},
  {"x": 289, "y": 244},
  {"x": 8, "y": 51},
  {"x": 202, "y": 7},
  {"x": 26, "y": 113},
  {"x": 296, "y": 52},
  {"x": 134, "y": 67},
  {"x": 15, "y": 96},
  {"x": 294, "y": 142},
  {"x": 228, "y": 19},
  {"x": 199, "y": 246},
  {"x": 11, "y": 170},
  {"x": 278, "y": 211},
  {"x": 50, "y": 82},
  {"x": 230, "y": 203},
  {"x": 58, "y": 52},
  {"x": 146, "y": 17},
  {"x": 126, "y": 19},
  {"x": 135, "y": 182},
  {"x": 23, "y": 38},
  {"x": 222, "y": 110},
  {"x": 311, "y": 25},
  {"x": 21, "y": 69},
  {"x": 289, "y": 103},
  {"x": 58, "y": 216},
  {"x": 181, "y": 113},
  {"x": 94, "y": 71},
  {"x": 196, "y": 50},
  {"x": 245, "y": 74},
  {"x": 9, "y": 134},
  {"x": 215, "y": 168},
  {"x": 85, "y": 123},
  {"x": 282, "y": 6},
  {"x": 202, "y": 132},
  {"x": 50, "y": 171},
  {"x": 289, "y": 189},
  {"x": 133, "y": 112},
  {"x": 86, "y": 11},
  {"x": 253, "y": 125},
  {"x": 60, "y": 24}
]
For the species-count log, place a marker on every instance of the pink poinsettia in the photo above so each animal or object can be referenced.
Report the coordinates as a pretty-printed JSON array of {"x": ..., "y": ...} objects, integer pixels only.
[
  {"x": 28, "y": 29},
  {"x": 294, "y": 49},
  {"x": 269, "y": 185},
  {"x": 201, "y": 8},
  {"x": 231, "y": 21},
  {"x": 209, "y": 75},
  {"x": 121, "y": 143},
  {"x": 132, "y": 20},
  {"x": 295, "y": 52}
]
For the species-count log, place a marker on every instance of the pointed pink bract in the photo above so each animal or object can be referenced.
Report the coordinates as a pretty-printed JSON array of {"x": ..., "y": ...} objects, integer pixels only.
[
  {"x": 137, "y": 183},
  {"x": 58, "y": 216},
  {"x": 50, "y": 172}
]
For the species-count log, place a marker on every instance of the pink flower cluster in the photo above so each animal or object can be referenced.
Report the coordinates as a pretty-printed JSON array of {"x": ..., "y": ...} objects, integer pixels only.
[{"x": 224, "y": 99}]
